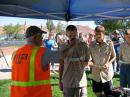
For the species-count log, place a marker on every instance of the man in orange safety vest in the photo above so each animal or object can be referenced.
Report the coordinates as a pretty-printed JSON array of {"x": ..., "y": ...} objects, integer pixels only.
[{"x": 30, "y": 69}]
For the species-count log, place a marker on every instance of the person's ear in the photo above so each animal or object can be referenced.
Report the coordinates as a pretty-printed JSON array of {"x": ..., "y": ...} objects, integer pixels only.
[{"x": 35, "y": 37}]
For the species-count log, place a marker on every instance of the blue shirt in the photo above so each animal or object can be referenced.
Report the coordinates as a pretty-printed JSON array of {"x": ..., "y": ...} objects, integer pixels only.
[
  {"x": 117, "y": 48},
  {"x": 49, "y": 43}
]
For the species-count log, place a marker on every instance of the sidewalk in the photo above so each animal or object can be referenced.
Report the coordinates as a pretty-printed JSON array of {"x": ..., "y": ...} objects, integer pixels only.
[
  {"x": 5, "y": 75},
  {"x": 5, "y": 71}
]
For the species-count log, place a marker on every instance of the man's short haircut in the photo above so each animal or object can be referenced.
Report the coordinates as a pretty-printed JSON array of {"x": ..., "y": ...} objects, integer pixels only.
[
  {"x": 71, "y": 28},
  {"x": 100, "y": 28}
]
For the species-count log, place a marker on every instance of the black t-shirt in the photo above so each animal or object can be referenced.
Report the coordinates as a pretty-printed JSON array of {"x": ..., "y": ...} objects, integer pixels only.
[{"x": 115, "y": 39}]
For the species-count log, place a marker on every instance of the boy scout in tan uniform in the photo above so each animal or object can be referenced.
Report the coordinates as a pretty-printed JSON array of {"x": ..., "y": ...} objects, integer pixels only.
[
  {"x": 74, "y": 56},
  {"x": 102, "y": 54}
]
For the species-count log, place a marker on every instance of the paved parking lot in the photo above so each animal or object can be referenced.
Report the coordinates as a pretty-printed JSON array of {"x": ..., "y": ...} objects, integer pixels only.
[
  {"x": 5, "y": 70},
  {"x": 12, "y": 43}
]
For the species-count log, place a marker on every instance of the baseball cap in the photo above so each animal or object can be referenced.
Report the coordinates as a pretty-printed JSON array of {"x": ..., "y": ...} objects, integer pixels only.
[
  {"x": 33, "y": 30},
  {"x": 100, "y": 28}
]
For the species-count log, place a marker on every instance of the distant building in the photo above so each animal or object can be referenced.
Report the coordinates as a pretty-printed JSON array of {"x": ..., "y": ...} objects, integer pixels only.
[{"x": 86, "y": 32}]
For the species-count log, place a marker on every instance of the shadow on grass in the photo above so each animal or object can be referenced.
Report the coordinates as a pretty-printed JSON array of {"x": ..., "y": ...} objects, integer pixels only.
[
  {"x": 54, "y": 77},
  {"x": 54, "y": 84},
  {"x": 116, "y": 76}
]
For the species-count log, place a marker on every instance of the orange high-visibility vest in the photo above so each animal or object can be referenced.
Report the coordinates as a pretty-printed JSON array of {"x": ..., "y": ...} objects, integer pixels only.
[{"x": 28, "y": 78}]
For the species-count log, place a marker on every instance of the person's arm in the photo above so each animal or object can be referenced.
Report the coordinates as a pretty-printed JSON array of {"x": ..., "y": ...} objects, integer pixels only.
[
  {"x": 91, "y": 62},
  {"x": 61, "y": 68},
  {"x": 120, "y": 55},
  {"x": 46, "y": 58},
  {"x": 13, "y": 55},
  {"x": 112, "y": 57},
  {"x": 87, "y": 56},
  {"x": 87, "y": 53}
]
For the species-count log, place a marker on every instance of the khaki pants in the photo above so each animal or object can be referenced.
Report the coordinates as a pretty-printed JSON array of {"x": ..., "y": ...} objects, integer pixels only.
[{"x": 75, "y": 92}]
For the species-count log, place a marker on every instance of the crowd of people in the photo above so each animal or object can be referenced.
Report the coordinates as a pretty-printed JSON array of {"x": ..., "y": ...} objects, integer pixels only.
[{"x": 31, "y": 63}]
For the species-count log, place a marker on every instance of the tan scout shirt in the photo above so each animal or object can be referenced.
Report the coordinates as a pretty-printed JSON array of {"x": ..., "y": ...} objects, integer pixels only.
[
  {"x": 74, "y": 73},
  {"x": 101, "y": 55},
  {"x": 124, "y": 54}
]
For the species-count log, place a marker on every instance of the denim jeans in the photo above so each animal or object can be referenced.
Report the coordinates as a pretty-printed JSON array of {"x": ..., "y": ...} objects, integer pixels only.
[{"x": 125, "y": 75}]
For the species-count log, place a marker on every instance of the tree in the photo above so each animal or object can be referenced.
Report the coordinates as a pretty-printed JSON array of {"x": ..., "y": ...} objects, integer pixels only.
[
  {"x": 111, "y": 25},
  {"x": 12, "y": 31},
  {"x": 59, "y": 27},
  {"x": 50, "y": 25}
]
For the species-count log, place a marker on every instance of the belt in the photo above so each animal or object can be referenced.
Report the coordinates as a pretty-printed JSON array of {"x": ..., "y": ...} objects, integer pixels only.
[
  {"x": 123, "y": 62},
  {"x": 82, "y": 58}
]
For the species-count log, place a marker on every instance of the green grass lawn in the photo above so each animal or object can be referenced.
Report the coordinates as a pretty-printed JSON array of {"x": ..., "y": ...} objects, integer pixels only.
[{"x": 5, "y": 86}]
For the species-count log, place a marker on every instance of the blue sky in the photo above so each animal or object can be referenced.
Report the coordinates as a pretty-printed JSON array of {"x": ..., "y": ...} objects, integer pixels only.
[{"x": 39, "y": 22}]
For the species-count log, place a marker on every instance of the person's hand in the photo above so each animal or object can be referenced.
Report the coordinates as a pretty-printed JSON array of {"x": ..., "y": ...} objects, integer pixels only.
[
  {"x": 106, "y": 66},
  {"x": 61, "y": 85},
  {"x": 90, "y": 63}
]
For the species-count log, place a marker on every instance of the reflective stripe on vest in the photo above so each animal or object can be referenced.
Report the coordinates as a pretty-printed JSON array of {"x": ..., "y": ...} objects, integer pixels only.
[{"x": 32, "y": 82}]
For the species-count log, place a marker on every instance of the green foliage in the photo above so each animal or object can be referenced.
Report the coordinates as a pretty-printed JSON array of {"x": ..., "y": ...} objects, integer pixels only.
[
  {"x": 128, "y": 24},
  {"x": 20, "y": 36},
  {"x": 50, "y": 25},
  {"x": 112, "y": 25},
  {"x": 11, "y": 30},
  {"x": 5, "y": 88},
  {"x": 59, "y": 28},
  {"x": 56, "y": 92}
]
